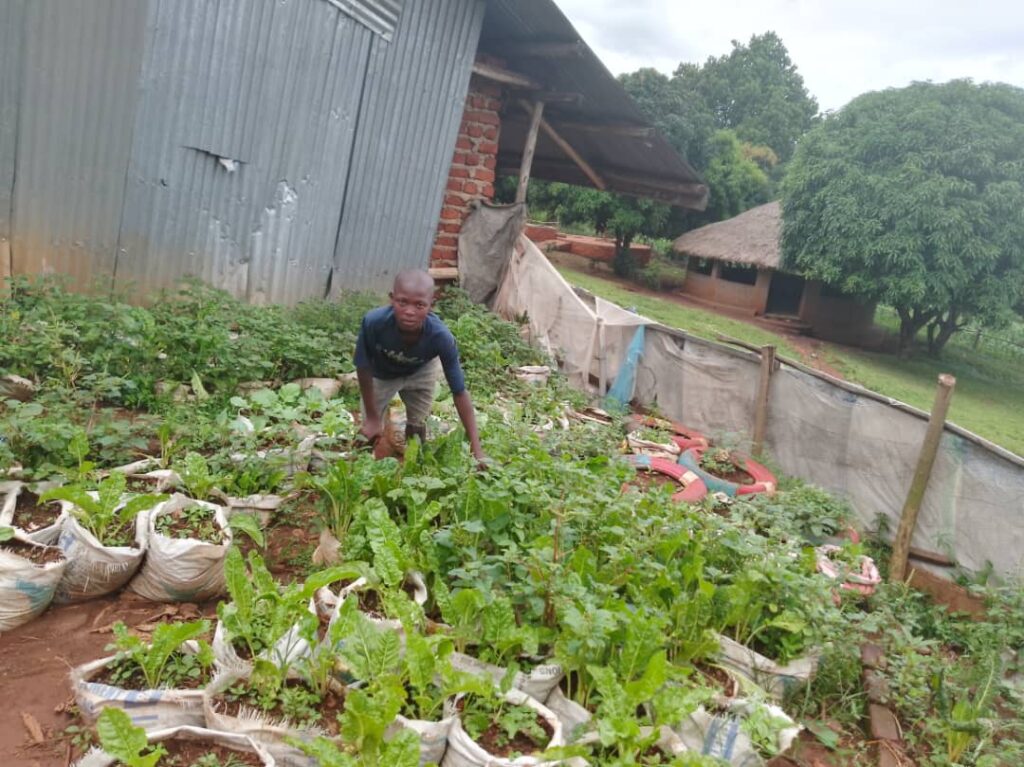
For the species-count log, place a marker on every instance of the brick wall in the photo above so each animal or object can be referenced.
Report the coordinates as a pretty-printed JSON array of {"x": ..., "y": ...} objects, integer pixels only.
[{"x": 471, "y": 175}]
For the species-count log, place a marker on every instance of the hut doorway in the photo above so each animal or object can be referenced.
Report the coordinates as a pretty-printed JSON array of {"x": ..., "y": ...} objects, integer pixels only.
[{"x": 784, "y": 294}]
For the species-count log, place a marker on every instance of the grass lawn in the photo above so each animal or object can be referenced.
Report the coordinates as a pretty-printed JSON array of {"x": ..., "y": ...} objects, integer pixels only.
[{"x": 989, "y": 398}]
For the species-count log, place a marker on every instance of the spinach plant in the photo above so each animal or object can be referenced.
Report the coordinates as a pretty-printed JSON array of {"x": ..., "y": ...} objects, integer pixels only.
[
  {"x": 126, "y": 742},
  {"x": 110, "y": 514},
  {"x": 162, "y": 662}
]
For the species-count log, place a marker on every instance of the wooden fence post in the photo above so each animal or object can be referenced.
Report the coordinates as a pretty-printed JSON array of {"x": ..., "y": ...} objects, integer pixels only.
[
  {"x": 925, "y": 461},
  {"x": 761, "y": 403}
]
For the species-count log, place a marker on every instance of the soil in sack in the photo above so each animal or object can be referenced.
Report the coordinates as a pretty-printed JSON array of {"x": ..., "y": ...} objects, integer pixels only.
[
  {"x": 194, "y": 522},
  {"x": 305, "y": 710},
  {"x": 190, "y": 753},
  {"x": 31, "y": 516},
  {"x": 533, "y": 738},
  {"x": 29, "y": 574}
]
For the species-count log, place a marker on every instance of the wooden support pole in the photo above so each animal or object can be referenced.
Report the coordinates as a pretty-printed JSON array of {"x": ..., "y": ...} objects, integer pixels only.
[
  {"x": 761, "y": 404},
  {"x": 571, "y": 153},
  {"x": 528, "y": 150},
  {"x": 925, "y": 461}
]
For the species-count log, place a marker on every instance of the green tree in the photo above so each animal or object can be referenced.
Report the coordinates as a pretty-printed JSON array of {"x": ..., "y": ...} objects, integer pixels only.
[
  {"x": 915, "y": 197},
  {"x": 756, "y": 91},
  {"x": 735, "y": 181}
]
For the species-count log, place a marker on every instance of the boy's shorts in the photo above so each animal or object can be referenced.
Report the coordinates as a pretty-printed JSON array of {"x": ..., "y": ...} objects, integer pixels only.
[{"x": 417, "y": 391}]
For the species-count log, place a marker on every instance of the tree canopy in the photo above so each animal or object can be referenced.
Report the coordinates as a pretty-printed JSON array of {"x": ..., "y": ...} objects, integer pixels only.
[{"x": 915, "y": 197}]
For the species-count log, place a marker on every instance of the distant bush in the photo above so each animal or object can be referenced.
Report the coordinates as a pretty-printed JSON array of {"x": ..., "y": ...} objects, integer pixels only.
[{"x": 661, "y": 274}]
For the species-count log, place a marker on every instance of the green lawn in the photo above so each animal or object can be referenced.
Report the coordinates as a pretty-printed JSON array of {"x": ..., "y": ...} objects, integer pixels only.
[{"x": 989, "y": 398}]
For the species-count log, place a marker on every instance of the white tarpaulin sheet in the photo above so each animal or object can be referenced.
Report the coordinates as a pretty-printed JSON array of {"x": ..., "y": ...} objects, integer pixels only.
[{"x": 851, "y": 442}]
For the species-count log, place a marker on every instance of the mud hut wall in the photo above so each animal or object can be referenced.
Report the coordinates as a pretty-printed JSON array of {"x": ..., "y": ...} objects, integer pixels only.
[
  {"x": 834, "y": 318},
  {"x": 711, "y": 287}
]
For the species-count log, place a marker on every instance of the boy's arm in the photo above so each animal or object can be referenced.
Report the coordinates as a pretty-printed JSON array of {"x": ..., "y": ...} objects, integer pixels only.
[
  {"x": 371, "y": 427},
  {"x": 464, "y": 407}
]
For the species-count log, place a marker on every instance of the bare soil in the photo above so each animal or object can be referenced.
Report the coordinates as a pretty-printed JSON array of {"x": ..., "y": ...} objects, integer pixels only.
[
  {"x": 329, "y": 708},
  {"x": 39, "y": 555},
  {"x": 646, "y": 480},
  {"x": 188, "y": 752},
  {"x": 736, "y": 476},
  {"x": 30, "y": 516},
  {"x": 522, "y": 744},
  {"x": 35, "y": 659}
]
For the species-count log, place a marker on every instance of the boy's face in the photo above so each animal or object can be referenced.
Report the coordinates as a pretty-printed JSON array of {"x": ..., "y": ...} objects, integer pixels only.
[{"x": 411, "y": 305}]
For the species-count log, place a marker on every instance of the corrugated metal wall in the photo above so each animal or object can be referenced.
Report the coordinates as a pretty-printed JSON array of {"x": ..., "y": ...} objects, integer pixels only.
[
  {"x": 12, "y": 32},
  {"x": 242, "y": 145},
  {"x": 415, "y": 92},
  {"x": 271, "y": 148},
  {"x": 76, "y": 107}
]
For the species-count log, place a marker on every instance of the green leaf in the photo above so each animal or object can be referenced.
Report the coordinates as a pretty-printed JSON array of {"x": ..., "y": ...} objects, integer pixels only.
[
  {"x": 6, "y": 533},
  {"x": 168, "y": 637},
  {"x": 249, "y": 525},
  {"x": 123, "y": 741},
  {"x": 198, "y": 389}
]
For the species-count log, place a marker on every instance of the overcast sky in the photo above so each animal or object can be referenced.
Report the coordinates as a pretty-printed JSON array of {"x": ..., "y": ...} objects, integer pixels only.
[{"x": 842, "y": 48}]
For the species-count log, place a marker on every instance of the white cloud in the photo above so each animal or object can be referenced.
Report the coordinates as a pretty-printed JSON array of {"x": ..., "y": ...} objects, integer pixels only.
[{"x": 841, "y": 48}]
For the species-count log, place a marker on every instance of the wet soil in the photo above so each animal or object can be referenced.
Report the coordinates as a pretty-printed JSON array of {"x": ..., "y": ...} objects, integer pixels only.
[
  {"x": 329, "y": 708},
  {"x": 176, "y": 524},
  {"x": 521, "y": 744},
  {"x": 184, "y": 753},
  {"x": 137, "y": 680},
  {"x": 646, "y": 480},
  {"x": 30, "y": 516},
  {"x": 38, "y": 555}
]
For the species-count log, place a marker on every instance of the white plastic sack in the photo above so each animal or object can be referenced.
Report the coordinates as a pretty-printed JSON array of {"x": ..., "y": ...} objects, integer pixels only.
[
  {"x": 764, "y": 672},
  {"x": 433, "y": 736},
  {"x": 11, "y": 491},
  {"x": 149, "y": 709},
  {"x": 534, "y": 374},
  {"x": 26, "y": 588},
  {"x": 286, "y": 650},
  {"x": 721, "y": 734},
  {"x": 329, "y": 387},
  {"x": 463, "y": 751},
  {"x": 99, "y": 758},
  {"x": 638, "y": 446},
  {"x": 539, "y": 683},
  {"x": 182, "y": 569},
  {"x": 262, "y": 506},
  {"x": 252, "y": 723},
  {"x": 328, "y": 603},
  {"x": 94, "y": 569},
  {"x": 291, "y": 459},
  {"x": 572, "y": 715}
]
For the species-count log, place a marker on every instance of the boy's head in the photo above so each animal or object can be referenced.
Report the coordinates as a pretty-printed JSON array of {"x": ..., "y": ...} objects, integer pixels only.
[{"x": 412, "y": 297}]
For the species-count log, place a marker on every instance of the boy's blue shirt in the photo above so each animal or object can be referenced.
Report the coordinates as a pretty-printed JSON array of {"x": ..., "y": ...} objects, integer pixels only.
[{"x": 380, "y": 348}]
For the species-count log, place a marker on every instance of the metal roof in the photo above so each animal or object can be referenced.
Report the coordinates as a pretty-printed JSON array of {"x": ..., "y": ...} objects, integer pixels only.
[{"x": 604, "y": 125}]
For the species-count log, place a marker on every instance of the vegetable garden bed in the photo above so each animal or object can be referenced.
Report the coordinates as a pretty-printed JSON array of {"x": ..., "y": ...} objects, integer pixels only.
[{"x": 541, "y": 571}]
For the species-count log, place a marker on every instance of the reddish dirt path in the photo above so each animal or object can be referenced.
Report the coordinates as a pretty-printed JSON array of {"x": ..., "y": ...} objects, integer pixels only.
[{"x": 35, "y": 660}]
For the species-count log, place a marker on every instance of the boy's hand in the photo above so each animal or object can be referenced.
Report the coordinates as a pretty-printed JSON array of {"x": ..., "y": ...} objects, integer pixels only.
[
  {"x": 483, "y": 463},
  {"x": 371, "y": 429}
]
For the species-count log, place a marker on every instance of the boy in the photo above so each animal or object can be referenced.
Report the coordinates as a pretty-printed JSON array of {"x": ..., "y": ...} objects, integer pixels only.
[{"x": 401, "y": 349}]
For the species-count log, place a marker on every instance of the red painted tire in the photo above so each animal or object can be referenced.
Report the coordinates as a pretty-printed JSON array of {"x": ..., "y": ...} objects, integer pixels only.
[
  {"x": 694, "y": 488},
  {"x": 683, "y": 436},
  {"x": 764, "y": 480}
]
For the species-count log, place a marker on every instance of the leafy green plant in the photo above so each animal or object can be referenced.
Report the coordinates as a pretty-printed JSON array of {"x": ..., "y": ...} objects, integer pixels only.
[
  {"x": 126, "y": 742},
  {"x": 718, "y": 461},
  {"x": 196, "y": 522},
  {"x": 6, "y": 533},
  {"x": 161, "y": 662},
  {"x": 247, "y": 524},
  {"x": 109, "y": 514},
  {"x": 196, "y": 476}
]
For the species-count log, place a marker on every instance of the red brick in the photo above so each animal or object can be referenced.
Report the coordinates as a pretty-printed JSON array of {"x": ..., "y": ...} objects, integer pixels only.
[
  {"x": 459, "y": 158},
  {"x": 481, "y": 116},
  {"x": 455, "y": 185},
  {"x": 490, "y": 133},
  {"x": 474, "y": 130},
  {"x": 487, "y": 190},
  {"x": 883, "y": 724},
  {"x": 490, "y": 162},
  {"x": 487, "y": 147},
  {"x": 458, "y": 173},
  {"x": 455, "y": 200},
  {"x": 447, "y": 241},
  {"x": 438, "y": 255},
  {"x": 450, "y": 214},
  {"x": 470, "y": 188},
  {"x": 483, "y": 174},
  {"x": 451, "y": 228},
  {"x": 472, "y": 159},
  {"x": 463, "y": 143},
  {"x": 493, "y": 104}
]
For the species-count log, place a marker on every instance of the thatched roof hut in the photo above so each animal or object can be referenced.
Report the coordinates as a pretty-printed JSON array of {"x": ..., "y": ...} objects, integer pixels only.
[{"x": 750, "y": 238}]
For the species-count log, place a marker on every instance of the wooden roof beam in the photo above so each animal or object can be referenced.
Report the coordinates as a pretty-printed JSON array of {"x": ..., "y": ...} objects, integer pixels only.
[
  {"x": 567, "y": 148},
  {"x": 614, "y": 129},
  {"x": 540, "y": 49},
  {"x": 505, "y": 76}
]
